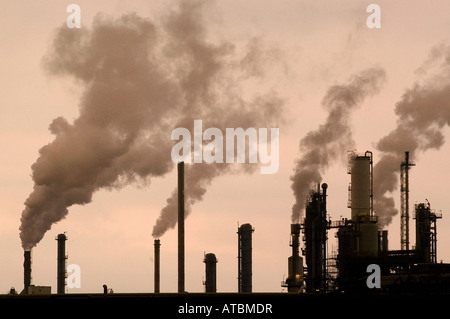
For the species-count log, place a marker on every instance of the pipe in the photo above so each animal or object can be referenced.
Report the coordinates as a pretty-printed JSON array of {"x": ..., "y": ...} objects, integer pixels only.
[
  {"x": 181, "y": 227},
  {"x": 157, "y": 265}
]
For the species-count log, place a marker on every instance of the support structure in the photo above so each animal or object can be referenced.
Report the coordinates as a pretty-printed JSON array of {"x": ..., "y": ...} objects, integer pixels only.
[{"x": 404, "y": 202}]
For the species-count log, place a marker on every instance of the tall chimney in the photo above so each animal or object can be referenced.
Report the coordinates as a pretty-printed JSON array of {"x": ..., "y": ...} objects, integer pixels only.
[
  {"x": 26, "y": 270},
  {"x": 181, "y": 227},
  {"x": 62, "y": 272},
  {"x": 157, "y": 265},
  {"x": 245, "y": 258}
]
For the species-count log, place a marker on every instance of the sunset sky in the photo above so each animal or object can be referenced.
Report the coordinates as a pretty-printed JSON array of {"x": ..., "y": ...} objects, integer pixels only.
[{"x": 302, "y": 48}]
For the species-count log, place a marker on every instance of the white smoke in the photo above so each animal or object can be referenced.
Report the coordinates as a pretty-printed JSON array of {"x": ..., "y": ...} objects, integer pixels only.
[{"x": 333, "y": 139}]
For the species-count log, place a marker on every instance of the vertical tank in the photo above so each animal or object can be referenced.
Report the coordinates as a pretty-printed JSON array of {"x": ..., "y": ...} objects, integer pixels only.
[
  {"x": 294, "y": 282},
  {"x": 361, "y": 203},
  {"x": 210, "y": 272},
  {"x": 245, "y": 258},
  {"x": 361, "y": 192}
]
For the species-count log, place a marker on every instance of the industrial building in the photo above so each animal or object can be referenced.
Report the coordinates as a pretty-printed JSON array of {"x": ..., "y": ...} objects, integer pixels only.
[
  {"x": 362, "y": 243},
  {"x": 312, "y": 269}
]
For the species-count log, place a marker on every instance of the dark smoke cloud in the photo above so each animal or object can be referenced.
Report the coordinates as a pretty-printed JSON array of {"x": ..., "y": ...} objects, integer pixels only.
[
  {"x": 331, "y": 140},
  {"x": 141, "y": 80},
  {"x": 423, "y": 112}
]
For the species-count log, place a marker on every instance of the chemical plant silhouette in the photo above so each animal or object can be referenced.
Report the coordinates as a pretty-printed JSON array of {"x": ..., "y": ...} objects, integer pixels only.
[{"x": 362, "y": 248}]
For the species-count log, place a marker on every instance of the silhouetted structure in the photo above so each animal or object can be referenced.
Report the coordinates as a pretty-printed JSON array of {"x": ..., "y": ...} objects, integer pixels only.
[
  {"x": 245, "y": 258},
  {"x": 210, "y": 283},
  {"x": 181, "y": 227},
  {"x": 62, "y": 270},
  {"x": 157, "y": 266},
  {"x": 26, "y": 270}
]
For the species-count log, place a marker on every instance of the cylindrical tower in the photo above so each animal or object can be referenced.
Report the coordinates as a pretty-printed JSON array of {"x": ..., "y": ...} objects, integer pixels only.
[
  {"x": 423, "y": 232},
  {"x": 245, "y": 258},
  {"x": 315, "y": 230},
  {"x": 62, "y": 273},
  {"x": 181, "y": 227},
  {"x": 361, "y": 204},
  {"x": 361, "y": 186},
  {"x": 210, "y": 272},
  {"x": 157, "y": 266},
  {"x": 26, "y": 270},
  {"x": 294, "y": 281}
]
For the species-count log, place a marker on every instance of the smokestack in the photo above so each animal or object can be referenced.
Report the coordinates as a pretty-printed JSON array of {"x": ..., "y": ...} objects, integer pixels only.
[
  {"x": 245, "y": 258},
  {"x": 157, "y": 265},
  {"x": 294, "y": 282},
  {"x": 62, "y": 272},
  {"x": 181, "y": 227},
  {"x": 123, "y": 132},
  {"x": 26, "y": 270},
  {"x": 295, "y": 243},
  {"x": 210, "y": 272},
  {"x": 322, "y": 147}
]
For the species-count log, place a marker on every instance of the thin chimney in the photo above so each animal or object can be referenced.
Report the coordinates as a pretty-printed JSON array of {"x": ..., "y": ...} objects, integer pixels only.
[
  {"x": 181, "y": 227},
  {"x": 157, "y": 265},
  {"x": 62, "y": 271},
  {"x": 26, "y": 270}
]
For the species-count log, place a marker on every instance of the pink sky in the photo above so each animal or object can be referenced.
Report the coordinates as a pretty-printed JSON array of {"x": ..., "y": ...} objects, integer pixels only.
[{"x": 318, "y": 44}]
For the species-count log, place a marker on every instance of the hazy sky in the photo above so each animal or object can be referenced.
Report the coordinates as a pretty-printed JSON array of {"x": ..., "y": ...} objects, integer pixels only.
[{"x": 305, "y": 48}]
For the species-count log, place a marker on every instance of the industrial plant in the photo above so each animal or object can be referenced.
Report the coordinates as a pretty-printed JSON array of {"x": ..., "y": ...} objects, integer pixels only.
[
  {"x": 313, "y": 270},
  {"x": 361, "y": 243}
]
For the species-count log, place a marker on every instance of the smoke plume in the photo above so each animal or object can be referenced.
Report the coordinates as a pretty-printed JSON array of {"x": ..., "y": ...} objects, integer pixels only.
[
  {"x": 141, "y": 79},
  {"x": 423, "y": 112},
  {"x": 331, "y": 140}
]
